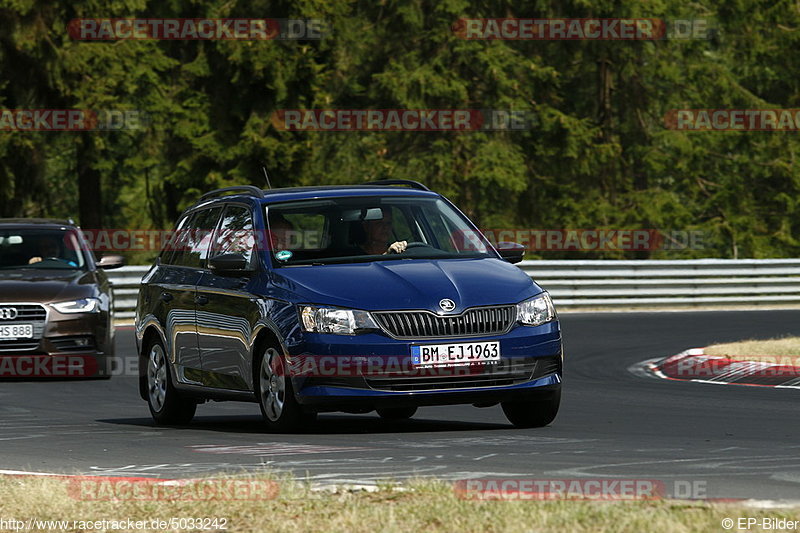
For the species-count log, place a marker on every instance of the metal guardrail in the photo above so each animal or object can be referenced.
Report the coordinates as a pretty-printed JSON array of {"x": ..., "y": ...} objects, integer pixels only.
[
  {"x": 582, "y": 283},
  {"x": 125, "y": 282}
]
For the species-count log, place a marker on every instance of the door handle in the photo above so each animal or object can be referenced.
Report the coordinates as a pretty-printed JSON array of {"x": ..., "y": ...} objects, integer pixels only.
[
  {"x": 165, "y": 297},
  {"x": 201, "y": 299}
]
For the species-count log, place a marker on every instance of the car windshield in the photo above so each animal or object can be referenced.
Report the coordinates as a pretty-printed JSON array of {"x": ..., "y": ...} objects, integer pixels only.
[
  {"x": 36, "y": 248},
  {"x": 364, "y": 229}
]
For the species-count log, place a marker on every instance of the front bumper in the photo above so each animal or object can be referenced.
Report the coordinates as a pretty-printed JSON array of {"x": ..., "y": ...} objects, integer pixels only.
[
  {"x": 63, "y": 346},
  {"x": 377, "y": 371}
]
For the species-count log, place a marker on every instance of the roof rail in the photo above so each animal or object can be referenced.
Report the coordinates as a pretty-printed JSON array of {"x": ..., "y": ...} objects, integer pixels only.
[
  {"x": 250, "y": 189},
  {"x": 410, "y": 183}
]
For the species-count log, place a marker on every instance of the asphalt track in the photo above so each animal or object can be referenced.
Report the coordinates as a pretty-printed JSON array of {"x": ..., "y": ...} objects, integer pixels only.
[{"x": 730, "y": 441}]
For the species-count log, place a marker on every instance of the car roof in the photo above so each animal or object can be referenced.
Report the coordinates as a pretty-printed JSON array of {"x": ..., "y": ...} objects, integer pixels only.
[
  {"x": 286, "y": 194},
  {"x": 17, "y": 222},
  {"x": 306, "y": 193}
]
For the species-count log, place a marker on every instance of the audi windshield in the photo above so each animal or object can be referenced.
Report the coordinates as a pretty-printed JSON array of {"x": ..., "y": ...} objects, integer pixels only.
[{"x": 40, "y": 249}]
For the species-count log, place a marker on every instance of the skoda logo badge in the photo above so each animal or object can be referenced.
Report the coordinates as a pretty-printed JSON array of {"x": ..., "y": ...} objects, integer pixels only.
[
  {"x": 447, "y": 304},
  {"x": 8, "y": 313}
]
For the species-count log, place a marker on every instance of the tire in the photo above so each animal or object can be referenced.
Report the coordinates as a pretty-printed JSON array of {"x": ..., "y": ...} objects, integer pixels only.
[
  {"x": 396, "y": 413},
  {"x": 273, "y": 388},
  {"x": 167, "y": 405},
  {"x": 533, "y": 413}
]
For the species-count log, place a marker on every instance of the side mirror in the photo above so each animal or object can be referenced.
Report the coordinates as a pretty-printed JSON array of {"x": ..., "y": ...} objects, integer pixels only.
[
  {"x": 511, "y": 251},
  {"x": 107, "y": 262},
  {"x": 229, "y": 263}
]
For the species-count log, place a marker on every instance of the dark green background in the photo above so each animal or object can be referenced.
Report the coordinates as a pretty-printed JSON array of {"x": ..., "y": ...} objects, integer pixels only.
[{"x": 599, "y": 155}]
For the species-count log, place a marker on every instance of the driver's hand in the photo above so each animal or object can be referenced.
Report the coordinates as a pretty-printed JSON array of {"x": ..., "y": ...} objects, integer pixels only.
[
  {"x": 34, "y": 260},
  {"x": 397, "y": 247}
]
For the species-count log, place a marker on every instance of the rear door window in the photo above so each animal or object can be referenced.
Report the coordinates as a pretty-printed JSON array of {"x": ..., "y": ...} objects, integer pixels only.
[{"x": 194, "y": 239}]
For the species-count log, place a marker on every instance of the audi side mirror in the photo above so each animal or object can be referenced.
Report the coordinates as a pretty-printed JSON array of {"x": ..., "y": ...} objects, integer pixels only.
[{"x": 107, "y": 262}]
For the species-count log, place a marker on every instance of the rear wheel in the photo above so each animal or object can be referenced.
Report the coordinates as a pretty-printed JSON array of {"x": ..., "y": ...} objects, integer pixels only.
[
  {"x": 535, "y": 412},
  {"x": 167, "y": 405},
  {"x": 396, "y": 413},
  {"x": 275, "y": 394}
]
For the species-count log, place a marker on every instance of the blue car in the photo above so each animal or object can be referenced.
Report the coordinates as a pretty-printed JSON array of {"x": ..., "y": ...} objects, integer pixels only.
[{"x": 381, "y": 296}]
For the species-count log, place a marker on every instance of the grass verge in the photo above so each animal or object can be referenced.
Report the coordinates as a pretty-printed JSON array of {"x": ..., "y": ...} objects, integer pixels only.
[
  {"x": 429, "y": 506},
  {"x": 784, "y": 350}
]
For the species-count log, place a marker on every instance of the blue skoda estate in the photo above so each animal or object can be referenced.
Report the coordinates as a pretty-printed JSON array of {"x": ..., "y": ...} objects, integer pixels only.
[{"x": 381, "y": 296}]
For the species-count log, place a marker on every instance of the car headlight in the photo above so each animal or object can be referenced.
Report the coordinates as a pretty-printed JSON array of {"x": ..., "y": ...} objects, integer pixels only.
[
  {"x": 336, "y": 321},
  {"x": 536, "y": 311},
  {"x": 84, "y": 305}
]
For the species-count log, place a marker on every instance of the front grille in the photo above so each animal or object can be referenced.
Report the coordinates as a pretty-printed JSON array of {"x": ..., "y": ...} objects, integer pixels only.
[
  {"x": 34, "y": 314},
  {"x": 18, "y": 345},
  {"x": 25, "y": 313},
  {"x": 472, "y": 322},
  {"x": 506, "y": 374}
]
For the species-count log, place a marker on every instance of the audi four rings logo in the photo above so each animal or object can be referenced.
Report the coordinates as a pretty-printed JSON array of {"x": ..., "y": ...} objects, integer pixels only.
[
  {"x": 8, "y": 313},
  {"x": 447, "y": 304}
]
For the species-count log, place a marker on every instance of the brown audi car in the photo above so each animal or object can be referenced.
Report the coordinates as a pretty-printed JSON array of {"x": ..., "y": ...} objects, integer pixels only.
[{"x": 56, "y": 305}]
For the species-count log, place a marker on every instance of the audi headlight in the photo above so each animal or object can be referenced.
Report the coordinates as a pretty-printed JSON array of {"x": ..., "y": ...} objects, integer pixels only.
[
  {"x": 336, "y": 321},
  {"x": 84, "y": 305},
  {"x": 536, "y": 311}
]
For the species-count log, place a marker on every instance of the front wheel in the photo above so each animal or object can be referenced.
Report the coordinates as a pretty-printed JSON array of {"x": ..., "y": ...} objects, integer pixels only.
[
  {"x": 535, "y": 412},
  {"x": 276, "y": 396},
  {"x": 167, "y": 405}
]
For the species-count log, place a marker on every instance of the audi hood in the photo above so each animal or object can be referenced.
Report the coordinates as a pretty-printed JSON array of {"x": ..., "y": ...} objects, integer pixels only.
[{"x": 31, "y": 285}]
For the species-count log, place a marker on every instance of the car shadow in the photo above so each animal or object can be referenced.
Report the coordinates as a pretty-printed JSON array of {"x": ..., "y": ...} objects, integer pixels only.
[{"x": 326, "y": 424}]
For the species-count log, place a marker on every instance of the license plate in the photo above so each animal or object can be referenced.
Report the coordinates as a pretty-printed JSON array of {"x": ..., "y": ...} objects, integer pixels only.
[
  {"x": 467, "y": 353},
  {"x": 16, "y": 331}
]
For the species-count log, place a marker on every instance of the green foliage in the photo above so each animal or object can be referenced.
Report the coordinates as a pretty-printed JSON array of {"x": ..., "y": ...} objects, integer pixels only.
[{"x": 598, "y": 156}]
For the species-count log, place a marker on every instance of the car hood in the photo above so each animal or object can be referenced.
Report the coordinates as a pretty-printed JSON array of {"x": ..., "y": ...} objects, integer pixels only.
[
  {"x": 44, "y": 286},
  {"x": 409, "y": 284}
]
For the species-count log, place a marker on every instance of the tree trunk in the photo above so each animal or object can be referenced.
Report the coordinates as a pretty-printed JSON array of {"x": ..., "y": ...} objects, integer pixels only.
[{"x": 90, "y": 197}]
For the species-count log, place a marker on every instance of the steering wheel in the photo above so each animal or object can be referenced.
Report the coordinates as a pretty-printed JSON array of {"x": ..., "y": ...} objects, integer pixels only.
[
  {"x": 414, "y": 244},
  {"x": 60, "y": 260}
]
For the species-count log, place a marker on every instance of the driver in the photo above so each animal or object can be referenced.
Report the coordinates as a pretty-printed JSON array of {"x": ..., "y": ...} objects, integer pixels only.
[
  {"x": 48, "y": 248},
  {"x": 378, "y": 233}
]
